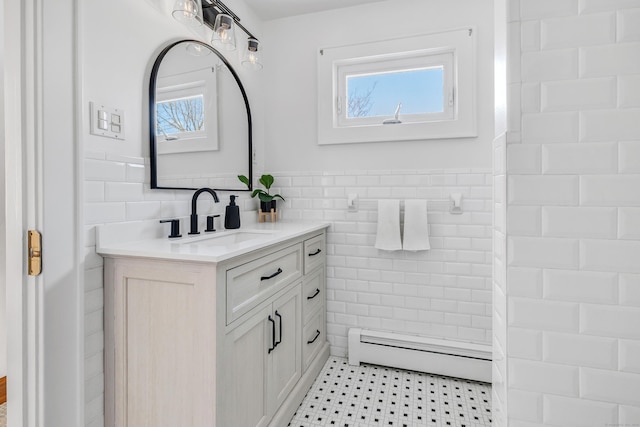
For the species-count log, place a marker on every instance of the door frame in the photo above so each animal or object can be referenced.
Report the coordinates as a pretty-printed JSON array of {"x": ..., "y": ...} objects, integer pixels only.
[{"x": 45, "y": 319}]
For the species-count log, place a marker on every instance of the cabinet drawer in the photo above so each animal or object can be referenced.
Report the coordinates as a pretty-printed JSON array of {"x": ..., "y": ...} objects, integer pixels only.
[
  {"x": 313, "y": 337},
  {"x": 313, "y": 293},
  {"x": 314, "y": 253},
  {"x": 250, "y": 283}
]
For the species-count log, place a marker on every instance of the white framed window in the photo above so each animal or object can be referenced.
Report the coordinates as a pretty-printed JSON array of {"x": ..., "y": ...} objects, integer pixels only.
[
  {"x": 413, "y": 88},
  {"x": 186, "y": 112}
]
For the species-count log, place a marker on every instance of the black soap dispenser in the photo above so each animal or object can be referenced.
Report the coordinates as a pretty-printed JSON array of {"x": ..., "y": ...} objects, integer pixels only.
[{"x": 232, "y": 215}]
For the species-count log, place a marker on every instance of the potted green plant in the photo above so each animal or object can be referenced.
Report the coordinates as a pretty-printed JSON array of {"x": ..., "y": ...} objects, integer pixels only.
[{"x": 267, "y": 200}]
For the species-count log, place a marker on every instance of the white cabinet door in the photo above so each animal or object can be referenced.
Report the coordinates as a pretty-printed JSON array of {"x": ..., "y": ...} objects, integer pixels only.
[
  {"x": 248, "y": 363},
  {"x": 264, "y": 356},
  {"x": 160, "y": 372},
  {"x": 286, "y": 358}
]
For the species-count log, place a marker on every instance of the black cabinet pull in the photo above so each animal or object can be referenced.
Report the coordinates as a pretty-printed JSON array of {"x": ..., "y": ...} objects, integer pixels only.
[
  {"x": 273, "y": 335},
  {"x": 280, "y": 328},
  {"x": 272, "y": 276},
  {"x": 314, "y": 338},
  {"x": 315, "y": 294},
  {"x": 316, "y": 252}
]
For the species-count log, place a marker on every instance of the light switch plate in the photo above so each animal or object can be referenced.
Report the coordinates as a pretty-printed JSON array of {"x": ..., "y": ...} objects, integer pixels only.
[{"x": 107, "y": 121}]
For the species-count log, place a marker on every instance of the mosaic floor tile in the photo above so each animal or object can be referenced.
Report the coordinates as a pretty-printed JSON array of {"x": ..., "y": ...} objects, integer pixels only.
[{"x": 370, "y": 395}]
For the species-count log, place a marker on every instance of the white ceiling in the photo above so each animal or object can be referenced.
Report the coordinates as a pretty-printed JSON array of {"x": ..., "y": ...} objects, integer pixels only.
[{"x": 274, "y": 9}]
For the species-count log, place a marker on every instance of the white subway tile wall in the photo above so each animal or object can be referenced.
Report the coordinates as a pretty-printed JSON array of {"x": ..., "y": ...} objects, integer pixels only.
[
  {"x": 443, "y": 293},
  {"x": 573, "y": 222}
]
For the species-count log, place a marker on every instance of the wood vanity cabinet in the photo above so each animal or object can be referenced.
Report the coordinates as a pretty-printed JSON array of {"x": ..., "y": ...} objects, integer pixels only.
[{"x": 230, "y": 344}]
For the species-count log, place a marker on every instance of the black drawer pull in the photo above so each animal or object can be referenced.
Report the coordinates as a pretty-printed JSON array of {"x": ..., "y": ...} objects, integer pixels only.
[
  {"x": 272, "y": 276},
  {"x": 315, "y": 294},
  {"x": 273, "y": 335},
  {"x": 316, "y": 252},
  {"x": 314, "y": 338}
]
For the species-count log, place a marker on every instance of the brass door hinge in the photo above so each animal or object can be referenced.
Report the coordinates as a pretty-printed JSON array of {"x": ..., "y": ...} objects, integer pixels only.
[{"x": 34, "y": 252}]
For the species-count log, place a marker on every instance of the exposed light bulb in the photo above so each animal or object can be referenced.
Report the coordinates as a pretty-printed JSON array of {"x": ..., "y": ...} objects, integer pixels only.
[
  {"x": 224, "y": 34},
  {"x": 251, "y": 56},
  {"x": 187, "y": 12}
]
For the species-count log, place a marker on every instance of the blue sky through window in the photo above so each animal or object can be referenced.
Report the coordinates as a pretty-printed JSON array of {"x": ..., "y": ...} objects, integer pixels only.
[{"x": 420, "y": 91}]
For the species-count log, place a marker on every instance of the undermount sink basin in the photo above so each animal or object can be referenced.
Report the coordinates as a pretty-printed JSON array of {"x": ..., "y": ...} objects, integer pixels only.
[{"x": 227, "y": 238}]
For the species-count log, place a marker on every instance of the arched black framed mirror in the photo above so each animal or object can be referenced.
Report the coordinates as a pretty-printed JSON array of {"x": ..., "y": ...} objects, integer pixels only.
[{"x": 199, "y": 120}]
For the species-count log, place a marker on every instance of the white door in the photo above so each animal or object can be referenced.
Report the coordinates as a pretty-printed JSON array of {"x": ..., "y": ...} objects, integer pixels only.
[{"x": 44, "y": 313}]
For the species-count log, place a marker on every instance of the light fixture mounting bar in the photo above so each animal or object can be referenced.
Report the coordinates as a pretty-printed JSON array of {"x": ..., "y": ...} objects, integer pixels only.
[{"x": 219, "y": 7}]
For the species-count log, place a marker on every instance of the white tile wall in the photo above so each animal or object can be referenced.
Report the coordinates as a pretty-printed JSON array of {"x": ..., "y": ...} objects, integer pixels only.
[
  {"x": 544, "y": 377},
  {"x": 580, "y": 158},
  {"x": 579, "y": 94},
  {"x": 547, "y": 8},
  {"x": 629, "y": 154},
  {"x": 443, "y": 293},
  {"x": 524, "y": 282},
  {"x": 525, "y": 343},
  {"x": 558, "y": 64},
  {"x": 629, "y": 356},
  {"x": 610, "y": 60},
  {"x": 573, "y": 222},
  {"x": 629, "y": 414},
  {"x": 525, "y": 158},
  {"x": 587, "y": 351},
  {"x": 542, "y": 252},
  {"x": 549, "y": 315},
  {"x": 608, "y": 125},
  {"x": 591, "y": 6},
  {"x": 581, "y": 30},
  {"x": 582, "y": 286},
  {"x": 630, "y": 289},
  {"x": 610, "y": 321},
  {"x": 608, "y": 386},
  {"x": 525, "y": 405},
  {"x": 552, "y": 127},
  {"x": 560, "y": 221},
  {"x": 629, "y": 91},
  {"x": 569, "y": 412}
]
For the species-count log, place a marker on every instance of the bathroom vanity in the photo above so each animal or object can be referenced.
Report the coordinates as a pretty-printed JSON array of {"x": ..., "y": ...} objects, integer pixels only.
[{"x": 224, "y": 329}]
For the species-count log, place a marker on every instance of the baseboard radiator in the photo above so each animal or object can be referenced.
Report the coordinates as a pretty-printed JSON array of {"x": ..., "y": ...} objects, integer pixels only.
[{"x": 437, "y": 356}]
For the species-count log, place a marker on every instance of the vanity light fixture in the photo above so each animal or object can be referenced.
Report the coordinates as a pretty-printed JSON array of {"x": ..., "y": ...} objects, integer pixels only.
[
  {"x": 187, "y": 12},
  {"x": 217, "y": 16},
  {"x": 251, "y": 56}
]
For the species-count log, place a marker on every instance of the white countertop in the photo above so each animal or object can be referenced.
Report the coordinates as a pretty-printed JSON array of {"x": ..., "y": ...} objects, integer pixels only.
[{"x": 148, "y": 239}]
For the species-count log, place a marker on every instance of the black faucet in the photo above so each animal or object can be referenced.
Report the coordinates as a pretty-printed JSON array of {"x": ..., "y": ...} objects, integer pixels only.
[{"x": 194, "y": 200}]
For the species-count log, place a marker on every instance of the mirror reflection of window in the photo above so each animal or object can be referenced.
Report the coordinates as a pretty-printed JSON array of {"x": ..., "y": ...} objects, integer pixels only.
[
  {"x": 187, "y": 112},
  {"x": 180, "y": 117}
]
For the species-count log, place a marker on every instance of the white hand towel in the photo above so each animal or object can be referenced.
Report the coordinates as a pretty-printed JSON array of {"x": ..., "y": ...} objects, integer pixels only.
[
  {"x": 416, "y": 227},
  {"x": 388, "y": 233}
]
